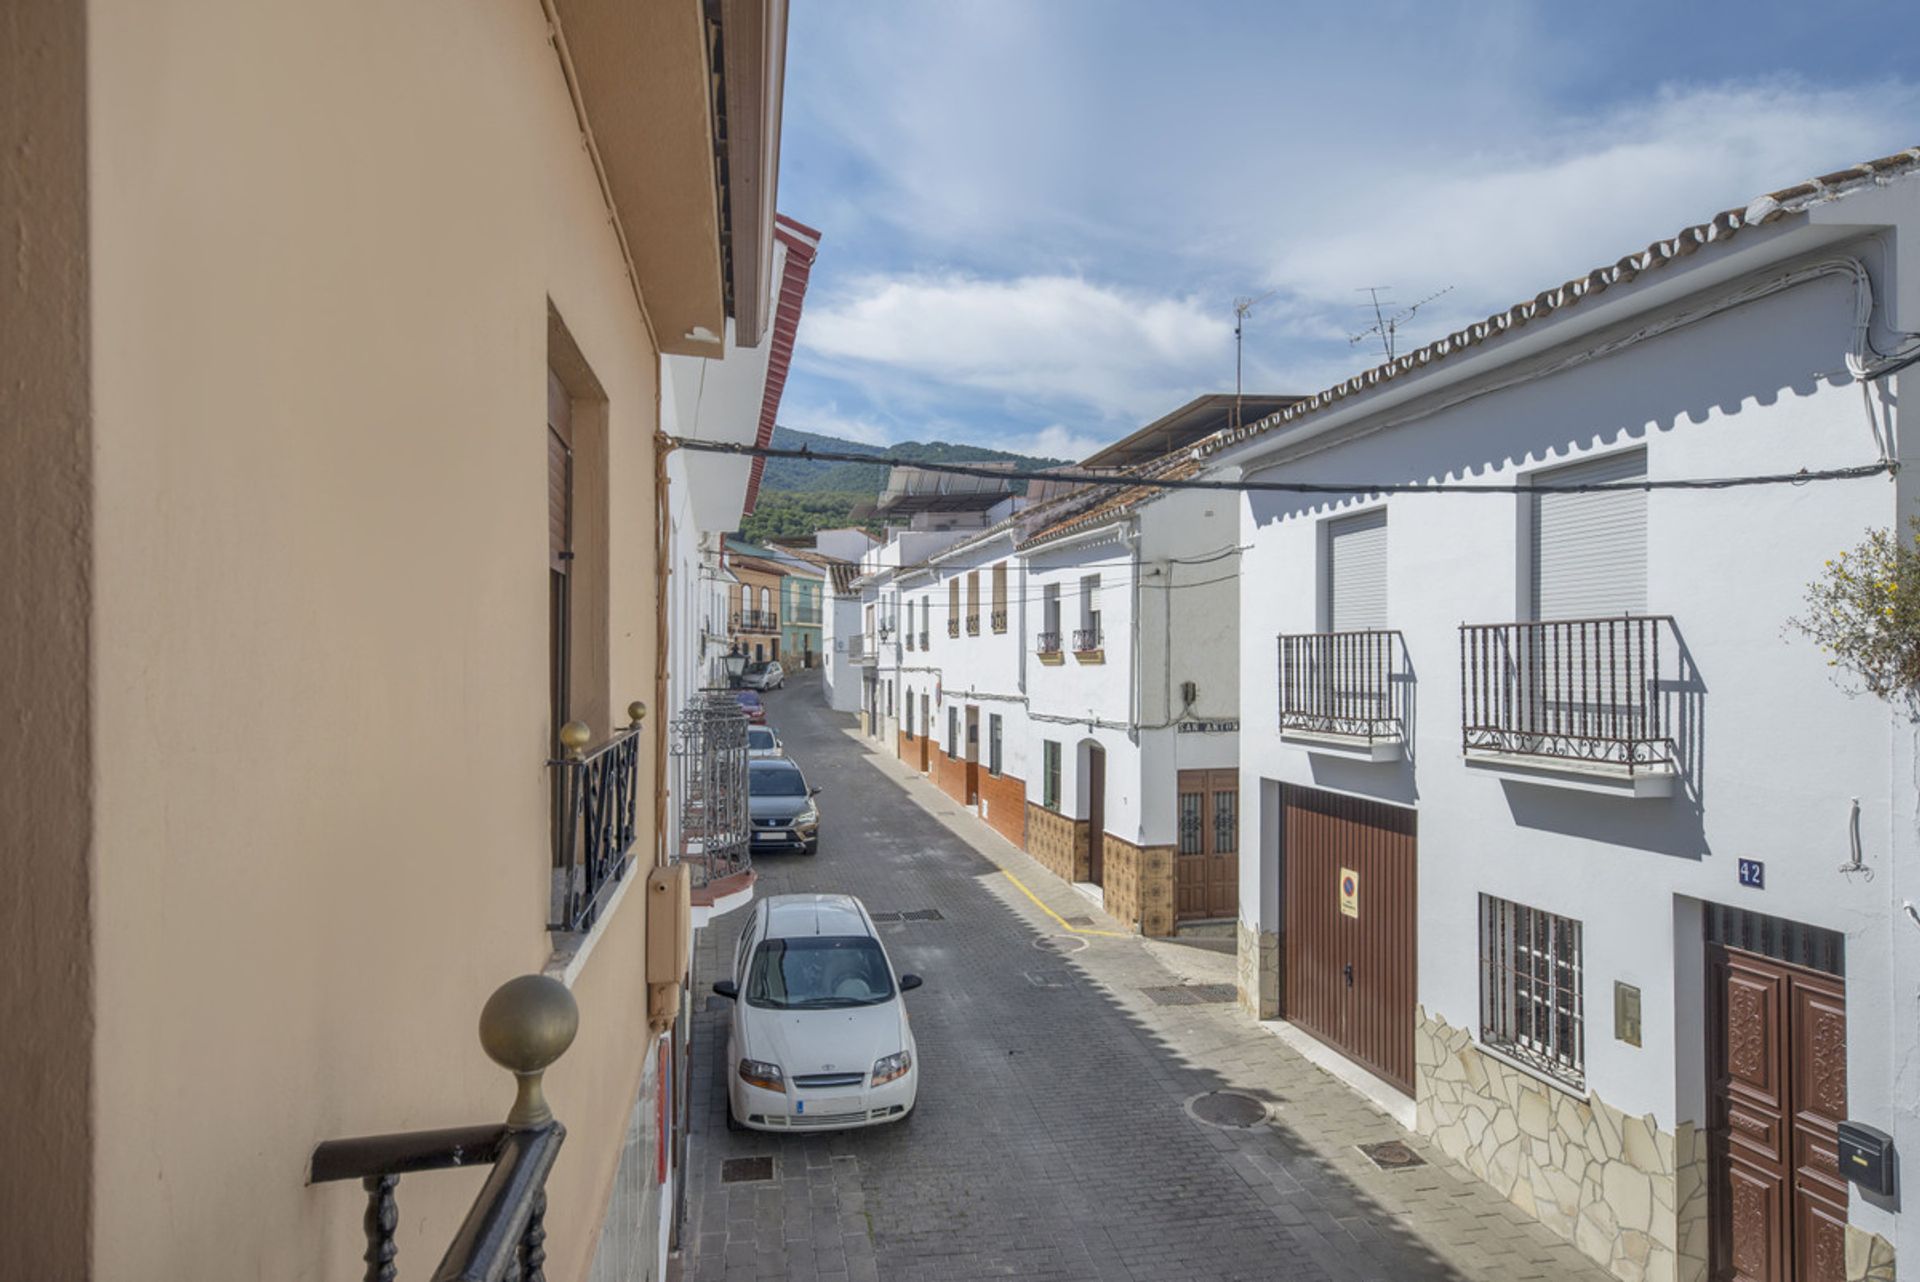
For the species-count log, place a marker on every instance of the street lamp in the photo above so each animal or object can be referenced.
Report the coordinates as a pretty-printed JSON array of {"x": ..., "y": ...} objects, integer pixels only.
[{"x": 736, "y": 664}]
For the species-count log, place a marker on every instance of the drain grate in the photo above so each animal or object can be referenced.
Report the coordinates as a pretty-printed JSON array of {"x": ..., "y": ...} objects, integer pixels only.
[
  {"x": 1190, "y": 994},
  {"x": 746, "y": 1170},
  {"x": 884, "y": 916},
  {"x": 922, "y": 914},
  {"x": 1229, "y": 1109},
  {"x": 1392, "y": 1155}
]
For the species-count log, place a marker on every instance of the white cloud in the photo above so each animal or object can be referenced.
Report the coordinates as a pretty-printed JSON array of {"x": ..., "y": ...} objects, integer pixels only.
[
  {"x": 1054, "y": 340},
  {"x": 1058, "y": 441},
  {"x": 828, "y": 420}
]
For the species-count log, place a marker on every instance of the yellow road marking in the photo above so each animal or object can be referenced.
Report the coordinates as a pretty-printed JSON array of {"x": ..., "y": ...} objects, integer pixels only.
[{"x": 1075, "y": 930}]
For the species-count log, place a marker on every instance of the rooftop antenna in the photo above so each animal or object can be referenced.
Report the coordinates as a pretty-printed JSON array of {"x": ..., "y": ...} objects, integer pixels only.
[
  {"x": 1384, "y": 325},
  {"x": 1242, "y": 306}
]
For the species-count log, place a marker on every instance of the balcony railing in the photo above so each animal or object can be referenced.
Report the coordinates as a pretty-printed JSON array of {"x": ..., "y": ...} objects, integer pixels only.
[
  {"x": 953, "y": 627},
  {"x": 525, "y": 1026},
  {"x": 710, "y": 786},
  {"x": 923, "y": 639},
  {"x": 804, "y": 614},
  {"x": 597, "y": 790},
  {"x": 998, "y": 620},
  {"x": 1047, "y": 642},
  {"x": 1343, "y": 683},
  {"x": 973, "y": 625},
  {"x": 756, "y": 621},
  {"x": 1577, "y": 690},
  {"x": 1086, "y": 640},
  {"x": 862, "y": 650}
]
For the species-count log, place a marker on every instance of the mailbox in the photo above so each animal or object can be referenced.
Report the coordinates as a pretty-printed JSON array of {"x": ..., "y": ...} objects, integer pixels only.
[{"x": 1866, "y": 1158}]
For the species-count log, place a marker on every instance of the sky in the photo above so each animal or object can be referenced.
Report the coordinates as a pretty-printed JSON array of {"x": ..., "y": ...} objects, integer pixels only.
[{"x": 1036, "y": 216}]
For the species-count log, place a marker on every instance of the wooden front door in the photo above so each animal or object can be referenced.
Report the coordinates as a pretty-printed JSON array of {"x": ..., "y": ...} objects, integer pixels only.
[
  {"x": 1350, "y": 879},
  {"x": 1096, "y": 814},
  {"x": 926, "y": 732},
  {"x": 1778, "y": 1064},
  {"x": 1206, "y": 882},
  {"x": 973, "y": 755}
]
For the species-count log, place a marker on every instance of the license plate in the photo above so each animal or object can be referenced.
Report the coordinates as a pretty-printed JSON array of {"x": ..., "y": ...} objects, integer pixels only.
[{"x": 799, "y": 1106}]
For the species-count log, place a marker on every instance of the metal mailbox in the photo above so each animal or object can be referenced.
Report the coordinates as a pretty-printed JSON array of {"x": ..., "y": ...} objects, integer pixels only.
[{"x": 1866, "y": 1157}]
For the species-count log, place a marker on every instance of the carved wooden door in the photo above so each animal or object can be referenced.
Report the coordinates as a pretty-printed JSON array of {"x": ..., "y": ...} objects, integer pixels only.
[
  {"x": 1779, "y": 1056},
  {"x": 1206, "y": 864}
]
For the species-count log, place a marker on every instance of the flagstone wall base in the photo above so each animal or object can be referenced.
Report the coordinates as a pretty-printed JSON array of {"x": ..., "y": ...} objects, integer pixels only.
[
  {"x": 1869, "y": 1256},
  {"x": 1259, "y": 972}
]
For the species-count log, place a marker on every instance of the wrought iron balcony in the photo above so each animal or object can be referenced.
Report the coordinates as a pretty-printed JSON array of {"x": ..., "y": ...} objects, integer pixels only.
[
  {"x": 1086, "y": 640},
  {"x": 973, "y": 625},
  {"x": 805, "y": 614},
  {"x": 953, "y": 627},
  {"x": 1580, "y": 691},
  {"x": 923, "y": 639},
  {"x": 595, "y": 795},
  {"x": 525, "y": 1026},
  {"x": 998, "y": 620},
  {"x": 862, "y": 650},
  {"x": 756, "y": 621},
  {"x": 1047, "y": 642},
  {"x": 710, "y": 786},
  {"x": 1344, "y": 684}
]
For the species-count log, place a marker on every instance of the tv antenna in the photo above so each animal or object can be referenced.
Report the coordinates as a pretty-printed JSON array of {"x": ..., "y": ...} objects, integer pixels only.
[
  {"x": 1385, "y": 325},
  {"x": 1241, "y": 307}
]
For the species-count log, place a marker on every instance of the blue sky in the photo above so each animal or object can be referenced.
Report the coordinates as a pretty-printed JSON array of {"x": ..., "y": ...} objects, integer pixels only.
[{"x": 1036, "y": 215}]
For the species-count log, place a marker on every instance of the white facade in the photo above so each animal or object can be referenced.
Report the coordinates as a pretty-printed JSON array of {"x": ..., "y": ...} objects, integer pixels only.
[{"x": 1731, "y": 362}]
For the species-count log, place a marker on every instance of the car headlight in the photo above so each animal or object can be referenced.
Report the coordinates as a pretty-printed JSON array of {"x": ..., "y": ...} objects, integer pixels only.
[
  {"x": 811, "y": 815},
  {"x": 892, "y": 1067},
  {"x": 766, "y": 1076}
]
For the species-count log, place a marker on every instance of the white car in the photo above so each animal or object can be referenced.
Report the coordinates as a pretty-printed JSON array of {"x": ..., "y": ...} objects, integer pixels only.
[
  {"x": 763, "y": 742},
  {"x": 819, "y": 1038},
  {"x": 764, "y": 676}
]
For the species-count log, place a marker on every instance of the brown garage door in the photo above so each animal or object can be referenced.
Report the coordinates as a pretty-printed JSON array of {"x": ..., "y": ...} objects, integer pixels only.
[{"x": 1349, "y": 891}]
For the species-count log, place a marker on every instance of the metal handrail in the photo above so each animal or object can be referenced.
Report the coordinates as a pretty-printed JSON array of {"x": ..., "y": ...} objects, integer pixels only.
[
  {"x": 1585, "y": 690},
  {"x": 1344, "y": 683},
  {"x": 1047, "y": 642},
  {"x": 1086, "y": 640},
  {"x": 998, "y": 620},
  {"x": 595, "y": 820}
]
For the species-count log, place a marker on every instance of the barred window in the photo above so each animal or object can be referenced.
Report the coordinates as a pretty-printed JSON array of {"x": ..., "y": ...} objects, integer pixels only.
[
  {"x": 993, "y": 744},
  {"x": 1050, "y": 774},
  {"x": 1530, "y": 1000},
  {"x": 1192, "y": 836}
]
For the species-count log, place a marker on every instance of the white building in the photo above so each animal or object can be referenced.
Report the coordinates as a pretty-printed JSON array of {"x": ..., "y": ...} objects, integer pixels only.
[{"x": 1615, "y": 910}]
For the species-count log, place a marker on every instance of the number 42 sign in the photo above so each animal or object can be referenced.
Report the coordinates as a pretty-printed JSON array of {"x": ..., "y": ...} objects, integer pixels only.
[{"x": 1753, "y": 873}]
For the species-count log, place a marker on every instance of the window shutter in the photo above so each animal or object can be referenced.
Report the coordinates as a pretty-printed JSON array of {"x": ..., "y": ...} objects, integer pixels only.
[
  {"x": 1590, "y": 550},
  {"x": 1357, "y": 572}
]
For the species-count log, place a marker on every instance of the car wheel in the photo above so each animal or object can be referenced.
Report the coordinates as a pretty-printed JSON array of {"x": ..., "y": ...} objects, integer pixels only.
[{"x": 813, "y": 847}]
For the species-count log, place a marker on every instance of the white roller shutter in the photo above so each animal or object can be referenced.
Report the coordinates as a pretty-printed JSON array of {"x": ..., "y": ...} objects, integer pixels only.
[
  {"x": 1590, "y": 550},
  {"x": 1357, "y": 572}
]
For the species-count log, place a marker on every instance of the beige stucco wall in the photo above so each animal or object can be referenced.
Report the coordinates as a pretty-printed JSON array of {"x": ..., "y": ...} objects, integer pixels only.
[
  {"x": 46, "y": 969},
  {"x": 324, "y": 240}
]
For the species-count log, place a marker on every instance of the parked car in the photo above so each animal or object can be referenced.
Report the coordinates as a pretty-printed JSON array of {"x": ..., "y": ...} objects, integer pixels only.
[
  {"x": 819, "y": 1038},
  {"x": 751, "y": 705},
  {"x": 764, "y": 676},
  {"x": 763, "y": 742},
  {"x": 785, "y": 814}
]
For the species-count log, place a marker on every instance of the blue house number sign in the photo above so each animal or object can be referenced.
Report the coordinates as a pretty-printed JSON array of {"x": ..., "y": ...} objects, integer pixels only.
[{"x": 1753, "y": 873}]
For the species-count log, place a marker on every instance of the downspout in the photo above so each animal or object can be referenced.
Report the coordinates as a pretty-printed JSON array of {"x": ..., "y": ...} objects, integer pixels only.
[
  {"x": 1132, "y": 537},
  {"x": 662, "y": 574}
]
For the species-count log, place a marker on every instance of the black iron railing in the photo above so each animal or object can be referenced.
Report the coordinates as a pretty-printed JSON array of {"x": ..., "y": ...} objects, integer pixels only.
[
  {"x": 1086, "y": 640},
  {"x": 1343, "y": 683},
  {"x": 598, "y": 790},
  {"x": 973, "y": 625},
  {"x": 923, "y": 639},
  {"x": 1047, "y": 642},
  {"x": 756, "y": 621},
  {"x": 709, "y": 758},
  {"x": 804, "y": 614},
  {"x": 998, "y": 620},
  {"x": 953, "y": 627},
  {"x": 526, "y": 1026},
  {"x": 1585, "y": 690}
]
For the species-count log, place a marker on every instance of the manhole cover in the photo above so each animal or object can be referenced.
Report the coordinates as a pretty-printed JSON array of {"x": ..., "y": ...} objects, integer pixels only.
[
  {"x": 1392, "y": 1155},
  {"x": 1190, "y": 994},
  {"x": 923, "y": 914},
  {"x": 746, "y": 1170},
  {"x": 1228, "y": 1109},
  {"x": 1057, "y": 944}
]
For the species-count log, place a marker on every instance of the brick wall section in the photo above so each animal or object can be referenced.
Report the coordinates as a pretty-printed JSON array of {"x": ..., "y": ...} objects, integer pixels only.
[
  {"x": 1059, "y": 843},
  {"x": 1005, "y": 801},
  {"x": 1139, "y": 885},
  {"x": 949, "y": 774},
  {"x": 909, "y": 749}
]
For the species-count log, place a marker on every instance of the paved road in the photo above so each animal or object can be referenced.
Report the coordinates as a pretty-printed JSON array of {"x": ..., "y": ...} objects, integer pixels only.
[{"x": 1052, "y": 1139}]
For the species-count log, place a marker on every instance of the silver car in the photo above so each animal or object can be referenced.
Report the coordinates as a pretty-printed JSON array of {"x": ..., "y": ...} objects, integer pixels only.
[
  {"x": 785, "y": 814},
  {"x": 763, "y": 742}
]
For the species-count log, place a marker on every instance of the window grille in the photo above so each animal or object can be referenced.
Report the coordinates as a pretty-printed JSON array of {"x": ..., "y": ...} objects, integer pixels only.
[
  {"x": 1530, "y": 988},
  {"x": 993, "y": 744},
  {"x": 1226, "y": 822},
  {"x": 1050, "y": 775},
  {"x": 1191, "y": 830}
]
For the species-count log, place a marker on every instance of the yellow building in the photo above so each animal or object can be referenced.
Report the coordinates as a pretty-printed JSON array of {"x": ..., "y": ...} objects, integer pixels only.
[{"x": 332, "y": 339}]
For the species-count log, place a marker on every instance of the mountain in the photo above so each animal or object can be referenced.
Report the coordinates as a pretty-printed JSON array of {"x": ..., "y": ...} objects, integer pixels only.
[
  {"x": 800, "y": 496},
  {"x": 807, "y": 476}
]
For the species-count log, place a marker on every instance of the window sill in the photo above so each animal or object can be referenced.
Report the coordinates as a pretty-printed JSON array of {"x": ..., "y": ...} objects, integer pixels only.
[
  {"x": 1052, "y": 658},
  {"x": 1603, "y": 778},
  {"x": 1538, "y": 1074},
  {"x": 1353, "y": 746},
  {"x": 1090, "y": 656},
  {"x": 572, "y": 948}
]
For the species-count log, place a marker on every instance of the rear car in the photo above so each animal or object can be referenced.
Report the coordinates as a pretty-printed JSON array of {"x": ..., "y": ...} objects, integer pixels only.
[
  {"x": 819, "y": 1037},
  {"x": 785, "y": 811},
  {"x": 751, "y": 705},
  {"x": 763, "y": 742},
  {"x": 768, "y": 675}
]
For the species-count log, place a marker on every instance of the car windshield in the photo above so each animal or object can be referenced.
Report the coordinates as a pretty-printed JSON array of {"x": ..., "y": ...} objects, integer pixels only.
[
  {"x": 818, "y": 973},
  {"x": 755, "y": 669},
  {"x": 775, "y": 779},
  {"x": 760, "y": 739},
  {"x": 748, "y": 699}
]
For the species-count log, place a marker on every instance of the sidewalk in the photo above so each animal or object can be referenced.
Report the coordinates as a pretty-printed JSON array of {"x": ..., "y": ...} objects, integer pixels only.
[{"x": 1363, "y": 1219}]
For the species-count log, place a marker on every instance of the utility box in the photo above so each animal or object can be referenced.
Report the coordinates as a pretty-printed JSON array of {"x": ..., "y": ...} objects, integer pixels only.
[
  {"x": 669, "y": 941},
  {"x": 1866, "y": 1157}
]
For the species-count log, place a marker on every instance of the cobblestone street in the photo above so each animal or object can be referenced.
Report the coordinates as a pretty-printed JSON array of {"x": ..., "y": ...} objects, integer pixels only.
[{"x": 1056, "y": 1134}]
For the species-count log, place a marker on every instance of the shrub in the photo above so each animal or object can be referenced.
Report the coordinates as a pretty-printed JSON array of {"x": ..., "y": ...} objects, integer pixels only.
[{"x": 1864, "y": 614}]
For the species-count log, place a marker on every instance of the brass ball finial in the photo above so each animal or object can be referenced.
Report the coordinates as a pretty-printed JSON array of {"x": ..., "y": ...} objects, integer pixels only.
[
  {"x": 637, "y": 711},
  {"x": 575, "y": 736},
  {"x": 525, "y": 1026}
]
